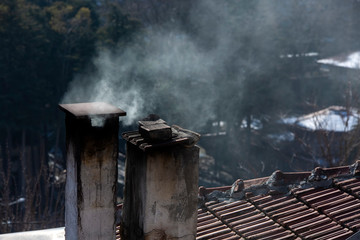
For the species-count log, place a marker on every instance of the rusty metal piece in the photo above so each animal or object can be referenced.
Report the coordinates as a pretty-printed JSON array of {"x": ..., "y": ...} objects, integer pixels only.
[{"x": 81, "y": 110}]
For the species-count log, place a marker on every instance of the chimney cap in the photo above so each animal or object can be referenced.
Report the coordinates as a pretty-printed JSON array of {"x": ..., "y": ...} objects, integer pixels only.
[
  {"x": 156, "y": 130},
  {"x": 180, "y": 136},
  {"x": 81, "y": 110}
]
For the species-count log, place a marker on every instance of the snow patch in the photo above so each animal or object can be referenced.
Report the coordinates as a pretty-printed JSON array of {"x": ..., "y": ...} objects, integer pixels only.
[
  {"x": 350, "y": 61},
  {"x": 332, "y": 119}
]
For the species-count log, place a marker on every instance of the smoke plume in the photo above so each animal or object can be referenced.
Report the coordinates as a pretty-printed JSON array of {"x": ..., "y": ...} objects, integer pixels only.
[{"x": 186, "y": 76}]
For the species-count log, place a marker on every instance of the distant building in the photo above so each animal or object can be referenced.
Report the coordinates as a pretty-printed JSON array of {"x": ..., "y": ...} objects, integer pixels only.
[
  {"x": 325, "y": 137},
  {"x": 331, "y": 119}
]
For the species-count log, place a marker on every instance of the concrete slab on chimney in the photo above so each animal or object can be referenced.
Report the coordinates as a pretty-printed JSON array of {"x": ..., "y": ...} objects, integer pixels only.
[{"x": 79, "y": 110}]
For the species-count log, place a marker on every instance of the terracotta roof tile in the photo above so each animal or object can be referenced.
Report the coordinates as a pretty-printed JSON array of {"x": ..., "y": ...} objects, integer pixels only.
[
  {"x": 322, "y": 204},
  {"x": 244, "y": 220},
  {"x": 210, "y": 227},
  {"x": 351, "y": 186}
]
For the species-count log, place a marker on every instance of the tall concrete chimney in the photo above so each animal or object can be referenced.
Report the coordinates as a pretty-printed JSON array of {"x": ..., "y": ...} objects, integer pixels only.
[
  {"x": 92, "y": 149},
  {"x": 161, "y": 183}
]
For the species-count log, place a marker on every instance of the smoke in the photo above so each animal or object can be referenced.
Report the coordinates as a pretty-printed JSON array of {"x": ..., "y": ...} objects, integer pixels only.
[
  {"x": 187, "y": 74},
  {"x": 167, "y": 74}
]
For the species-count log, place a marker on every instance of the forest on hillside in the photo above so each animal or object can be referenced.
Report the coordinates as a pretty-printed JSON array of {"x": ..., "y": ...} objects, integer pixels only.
[{"x": 210, "y": 66}]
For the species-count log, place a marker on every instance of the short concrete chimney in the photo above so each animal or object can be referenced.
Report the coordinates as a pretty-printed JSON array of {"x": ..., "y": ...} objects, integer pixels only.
[
  {"x": 161, "y": 183},
  {"x": 92, "y": 149}
]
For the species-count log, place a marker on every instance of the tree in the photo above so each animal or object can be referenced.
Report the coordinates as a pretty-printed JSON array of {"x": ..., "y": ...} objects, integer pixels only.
[{"x": 117, "y": 28}]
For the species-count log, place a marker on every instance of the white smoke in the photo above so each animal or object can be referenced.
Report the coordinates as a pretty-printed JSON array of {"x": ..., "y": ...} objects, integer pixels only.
[
  {"x": 180, "y": 77},
  {"x": 170, "y": 69}
]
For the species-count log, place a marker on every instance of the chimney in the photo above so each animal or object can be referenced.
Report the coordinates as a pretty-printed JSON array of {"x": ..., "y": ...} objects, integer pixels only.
[
  {"x": 161, "y": 183},
  {"x": 92, "y": 150}
]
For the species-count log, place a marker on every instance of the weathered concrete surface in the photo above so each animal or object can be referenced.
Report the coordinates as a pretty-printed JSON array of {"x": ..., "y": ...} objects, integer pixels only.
[
  {"x": 71, "y": 209},
  {"x": 91, "y": 181},
  {"x": 160, "y": 198}
]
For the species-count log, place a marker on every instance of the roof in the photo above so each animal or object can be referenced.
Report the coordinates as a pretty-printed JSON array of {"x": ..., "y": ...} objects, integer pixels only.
[
  {"x": 322, "y": 204},
  {"x": 334, "y": 119},
  {"x": 350, "y": 60}
]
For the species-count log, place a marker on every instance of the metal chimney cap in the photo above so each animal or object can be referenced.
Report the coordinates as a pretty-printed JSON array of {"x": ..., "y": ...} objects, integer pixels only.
[{"x": 81, "y": 110}]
